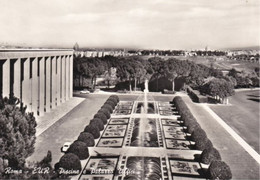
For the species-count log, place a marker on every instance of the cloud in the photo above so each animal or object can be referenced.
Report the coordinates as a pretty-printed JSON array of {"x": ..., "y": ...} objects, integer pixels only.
[{"x": 147, "y": 23}]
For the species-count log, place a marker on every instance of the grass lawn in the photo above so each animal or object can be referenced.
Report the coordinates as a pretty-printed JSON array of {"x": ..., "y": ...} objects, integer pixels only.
[{"x": 242, "y": 115}]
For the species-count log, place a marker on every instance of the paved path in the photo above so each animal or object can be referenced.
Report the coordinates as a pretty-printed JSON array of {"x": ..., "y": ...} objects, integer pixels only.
[
  {"x": 54, "y": 115},
  {"x": 67, "y": 128},
  {"x": 242, "y": 165}
]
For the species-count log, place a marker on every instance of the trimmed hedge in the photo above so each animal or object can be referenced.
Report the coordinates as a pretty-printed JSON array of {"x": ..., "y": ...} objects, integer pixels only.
[
  {"x": 105, "y": 111},
  {"x": 101, "y": 116},
  {"x": 70, "y": 161},
  {"x": 92, "y": 130},
  {"x": 111, "y": 103},
  {"x": 108, "y": 107},
  {"x": 199, "y": 134},
  {"x": 98, "y": 123},
  {"x": 115, "y": 97},
  {"x": 196, "y": 96},
  {"x": 208, "y": 155},
  {"x": 203, "y": 144},
  {"x": 219, "y": 170},
  {"x": 80, "y": 149},
  {"x": 87, "y": 138},
  {"x": 191, "y": 127},
  {"x": 113, "y": 100}
]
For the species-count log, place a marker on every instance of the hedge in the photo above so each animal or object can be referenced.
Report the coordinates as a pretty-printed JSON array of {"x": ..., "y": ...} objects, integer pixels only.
[
  {"x": 188, "y": 119},
  {"x": 112, "y": 100},
  {"x": 203, "y": 144},
  {"x": 115, "y": 96},
  {"x": 219, "y": 170},
  {"x": 210, "y": 154},
  {"x": 80, "y": 149},
  {"x": 111, "y": 103},
  {"x": 105, "y": 111},
  {"x": 199, "y": 134},
  {"x": 87, "y": 138},
  {"x": 101, "y": 116},
  {"x": 98, "y": 123},
  {"x": 70, "y": 161},
  {"x": 191, "y": 127},
  {"x": 196, "y": 96},
  {"x": 108, "y": 107},
  {"x": 92, "y": 130}
]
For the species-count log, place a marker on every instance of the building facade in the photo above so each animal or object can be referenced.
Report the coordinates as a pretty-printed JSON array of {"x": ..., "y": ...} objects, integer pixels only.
[{"x": 41, "y": 78}]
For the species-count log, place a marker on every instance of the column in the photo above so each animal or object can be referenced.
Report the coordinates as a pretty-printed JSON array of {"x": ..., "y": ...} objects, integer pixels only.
[
  {"x": 67, "y": 77},
  {"x": 41, "y": 85},
  {"x": 63, "y": 78},
  {"x": 35, "y": 86},
  {"x": 71, "y": 77},
  {"x": 48, "y": 84},
  {"x": 58, "y": 80},
  {"x": 17, "y": 78},
  {"x": 26, "y": 84},
  {"x": 53, "y": 83},
  {"x": 6, "y": 78}
]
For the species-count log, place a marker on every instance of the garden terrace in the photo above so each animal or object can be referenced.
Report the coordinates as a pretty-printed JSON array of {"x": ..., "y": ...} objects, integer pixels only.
[{"x": 162, "y": 144}]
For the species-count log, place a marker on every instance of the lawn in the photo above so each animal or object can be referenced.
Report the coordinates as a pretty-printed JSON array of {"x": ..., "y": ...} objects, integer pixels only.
[{"x": 242, "y": 115}]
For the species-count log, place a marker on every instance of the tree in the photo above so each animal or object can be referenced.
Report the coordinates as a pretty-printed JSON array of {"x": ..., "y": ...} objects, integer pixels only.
[
  {"x": 219, "y": 88},
  {"x": 17, "y": 135}
]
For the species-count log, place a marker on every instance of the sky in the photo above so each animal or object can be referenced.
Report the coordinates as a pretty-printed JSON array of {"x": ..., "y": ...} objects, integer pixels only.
[{"x": 145, "y": 24}]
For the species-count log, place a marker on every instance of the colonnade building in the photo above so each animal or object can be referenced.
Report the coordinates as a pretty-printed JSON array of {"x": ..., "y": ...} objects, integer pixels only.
[{"x": 40, "y": 78}]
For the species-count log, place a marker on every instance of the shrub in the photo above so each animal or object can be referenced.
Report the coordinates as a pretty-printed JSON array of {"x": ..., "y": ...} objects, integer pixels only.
[
  {"x": 188, "y": 119},
  {"x": 179, "y": 104},
  {"x": 115, "y": 96},
  {"x": 105, "y": 111},
  {"x": 108, "y": 107},
  {"x": 101, "y": 116},
  {"x": 80, "y": 149},
  {"x": 208, "y": 155},
  {"x": 111, "y": 103},
  {"x": 193, "y": 126},
  {"x": 92, "y": 130},
  {"x": 87, "y": 138},
  {"x": 219, "y": 170},
  {"x": 203, "y": 144},
  {"x": 112, "y": 100},
  {"x": 70, "y": 161},
  {"x": 199, "y": 134},
  {"x": 98, "y": 123}
]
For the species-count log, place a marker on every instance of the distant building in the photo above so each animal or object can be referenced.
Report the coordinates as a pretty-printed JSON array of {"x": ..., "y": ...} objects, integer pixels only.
[{"x": 76, "y": 47}]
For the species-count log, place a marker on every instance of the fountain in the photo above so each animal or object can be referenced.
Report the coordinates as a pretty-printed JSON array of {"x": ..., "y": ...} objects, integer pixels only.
[{"x": 145, "y": 130}]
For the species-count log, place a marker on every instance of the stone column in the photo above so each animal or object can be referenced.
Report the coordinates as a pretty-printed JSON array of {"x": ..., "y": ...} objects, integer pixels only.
[
  {"x": 71, "y": 77},
  {"x": 35, "y": 86},
  {"x": 63, "y": 78},
  {"x": 67, "y": 77},
  {"x": 53, "y": 83},
  {"x": 6, "y": 78},
  {"x": 58, "y": 80},
  {"x": 41, "y": 85},
  {"x": 26, "y": 85},
  {"x": 17, "y": 78},
  {"x": 48, "y": 84}
]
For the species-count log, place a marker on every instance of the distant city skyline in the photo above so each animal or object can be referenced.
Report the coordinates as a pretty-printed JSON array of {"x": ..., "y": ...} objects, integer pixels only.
[{"x": 156, "y": 24}]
